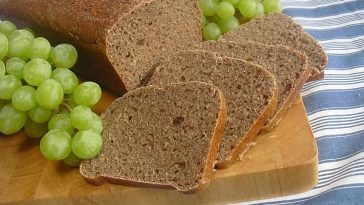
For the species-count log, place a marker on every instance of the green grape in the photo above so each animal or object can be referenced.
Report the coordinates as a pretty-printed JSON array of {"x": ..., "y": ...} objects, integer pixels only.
[
  {"x": 49, "y": 94},
  {"x": 203, "y": 21},
  {"x": 4, "y": 45},
  {"x": 39, "y": 48},
  {"x": 64, "y": 56},
  {"x": 39, "y": 114},
  {"x": 81, "y": 117},
  {"x": 233, "y": 2},
  {"x": 15, "y": 66},
  {"x": 19, "y": 42},
  {"x": 7, "y": 27},
  {"x": 96, "y": 124},
  {"x": 72, "y": 160},
  {"x": 3, "y": 103},
  {"x": 2, "y": 68},
  {"x": 225, "y": 10},
  {"x": 61, "y": 122},
  {"x": 229, "y": 24},
  {"x": 35, "y": 130},
  {"x": 36, "y": 71},
  {"x": 24, "y": 99},
  {"x": 8, "y": 85},
  {"x": 86, "y": 144},
  {"x": 11, "y": 119},
  {"x": 259, "y": 11},
  {"x": 208, "y": 7},
  {"x": 87, "y": 94},
  {"x": 214, "y": 19},
  {"x": 56, "y": 145},
  {"x": 247, "y": 8},
  {"x": 30, "y": 30},
  {"x": 66, "y": 78},
  {"x": 272, "y": 6},
  {"x": 211, "y": 31}
]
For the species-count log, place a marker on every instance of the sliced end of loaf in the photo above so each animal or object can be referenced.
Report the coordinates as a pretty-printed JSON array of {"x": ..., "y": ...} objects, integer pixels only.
[
  {"x": 161, "y": 136},
  {"x": 138, "y": 41}
]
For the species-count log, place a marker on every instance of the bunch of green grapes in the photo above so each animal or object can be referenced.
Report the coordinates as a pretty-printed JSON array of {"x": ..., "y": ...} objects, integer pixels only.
[
  {"x": 39, "y": 92},
  {"x": 221, "y": 16}
]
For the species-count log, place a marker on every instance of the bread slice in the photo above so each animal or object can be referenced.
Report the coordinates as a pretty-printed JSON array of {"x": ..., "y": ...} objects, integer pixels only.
[
  {"x": 287, "y": 66},
  {"x": 277, "y": 29},
  {"x": 250, "y": 91},
  {"x": 163, "y": 137},
  {"x": 119, "y": 42}
]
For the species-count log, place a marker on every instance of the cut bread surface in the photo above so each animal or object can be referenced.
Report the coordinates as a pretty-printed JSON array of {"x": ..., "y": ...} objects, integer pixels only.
[
  {"x": 161, "y": 136},
  {"x": 280, "y": 29},
  {"x": 250, "y": 91},
  {"x": 286, "y": 65},
  {"x": 119, "y": 42}
]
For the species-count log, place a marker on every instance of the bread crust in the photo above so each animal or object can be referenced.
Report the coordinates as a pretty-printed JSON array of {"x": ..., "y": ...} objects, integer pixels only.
[
  {"x": 253, "y": 131},
  {"x": 207, "y": 173}
]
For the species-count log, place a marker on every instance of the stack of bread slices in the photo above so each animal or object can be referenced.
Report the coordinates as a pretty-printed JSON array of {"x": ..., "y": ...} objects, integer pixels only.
[
  {"x": 190, "y": 106},
  {"x": 202, "y": 108}
]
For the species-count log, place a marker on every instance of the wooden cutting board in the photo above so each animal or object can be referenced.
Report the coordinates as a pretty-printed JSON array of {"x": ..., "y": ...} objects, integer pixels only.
[{"x": 280, "y": 163}]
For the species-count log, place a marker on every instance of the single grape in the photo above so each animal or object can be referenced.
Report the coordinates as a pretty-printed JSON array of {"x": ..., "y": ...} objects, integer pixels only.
[
  {"x": 24, "y": 99},
  {"x": 7, "y": 27},
  {"x": 2, "y": 68},
  {"x": 229, "y": 24},
  {"x": 272, "y": 6},
  {"x": 4, "y": 45},
  {"x": 61, "y": 122},
  {"x": 15, "y": 66},
  {"x": 208, "y": 7},
  {"x": 203, "y": 21},
  {"x": 247, "y": 8},
  {"x": 233, "y": 2},
  {"x": 11, "y": 119},
  {"x": 36, "y": 71},
  {"x": 211, "y": 31},
  {"x": 66, "y": 78},
  {"x": 64, "y": 56},
  {"x": 8, "y": 85},
  {"x": 72, "y": 160},
  {"x": 225, "y": 10},
  {"x": 56, "y": 145},
  {"x": 87, "y": 94},
  {"x": 30, "y": 30},
  {"x": 96, "y": 124},
  {"x": 3, "y": 103},
  {"x": 39, "y": 114},
  {"x": 49, "y": 94},
  {"x": 81, "y": 117},
  {"x": 259, "y": 11},
  {"x": 39, "y": 48},
  {"x": 19, "y": 42},
  {"x": 86, "y": 144},
  {"x": 35, "y": 130}
]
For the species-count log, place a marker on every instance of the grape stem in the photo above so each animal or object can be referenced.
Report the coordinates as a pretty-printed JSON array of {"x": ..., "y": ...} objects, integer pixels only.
[{"x": 64, "y": 107}]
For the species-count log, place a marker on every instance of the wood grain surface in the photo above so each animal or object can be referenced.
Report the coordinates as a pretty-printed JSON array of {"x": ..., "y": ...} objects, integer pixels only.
[{"x": 279, "y": 163}]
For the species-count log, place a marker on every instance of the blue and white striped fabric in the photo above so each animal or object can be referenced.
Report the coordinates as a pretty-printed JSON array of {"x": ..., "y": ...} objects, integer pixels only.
[{"x": 335, "y": 105}]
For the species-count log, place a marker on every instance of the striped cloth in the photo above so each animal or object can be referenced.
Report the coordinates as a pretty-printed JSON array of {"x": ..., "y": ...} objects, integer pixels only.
[{"x": 335, "y": 105}]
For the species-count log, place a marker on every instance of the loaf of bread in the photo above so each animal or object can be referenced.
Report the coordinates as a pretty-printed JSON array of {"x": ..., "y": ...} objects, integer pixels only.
[
  {"x": 250, "y": 91},
  {"x": 119, "y": 41},
  {"x": 163, "y": 137},
  {"x": 277, "y": 28},
  {"x": 287, "y": 66}
]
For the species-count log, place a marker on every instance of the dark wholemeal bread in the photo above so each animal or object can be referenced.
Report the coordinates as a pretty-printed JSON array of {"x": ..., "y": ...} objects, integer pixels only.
[
  {"x": 281, "y": 29},
  {"x": 287, "y": 66},
  {"x": 250, "y": 91},
  {"x": 161, "y": 136},
  {"x": 119, "y": 41}
]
